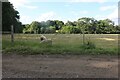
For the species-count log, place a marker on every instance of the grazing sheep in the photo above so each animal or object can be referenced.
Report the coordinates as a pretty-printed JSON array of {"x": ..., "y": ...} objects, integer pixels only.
[
  {"x": 46, "y": 41},
  {"x": 43, "y": 38}
]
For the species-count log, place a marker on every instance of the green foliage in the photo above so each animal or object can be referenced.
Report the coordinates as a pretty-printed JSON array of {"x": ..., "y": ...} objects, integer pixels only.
[
  {"x": 43, "y": 27},
  {"x": 82, "y": 25},
  {"x": 66, "y": 29},
  {"x": 10, "y": 16},
  {"x": 26, "y": 29},
  {"x": 48, "y": 30},
  {"x": 52, "y": 29},
  {"x": 58, "y": 24},
  {"x": 70, "y": 30},
  {"x": 34, "y": 27}
]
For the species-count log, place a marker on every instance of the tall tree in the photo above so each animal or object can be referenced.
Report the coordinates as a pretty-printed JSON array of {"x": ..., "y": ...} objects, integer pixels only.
[
  {"x": 10, "y": 16},
  {"x": 88, "y": 24}
]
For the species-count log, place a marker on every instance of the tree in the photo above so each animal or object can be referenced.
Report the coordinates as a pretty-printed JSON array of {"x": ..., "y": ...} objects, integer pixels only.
[
  {"x": 52, "y": 29},
  {"x": 83, "y": 25},
  {"x": 34, "y": 27},
  {"x": 117, "y": 29},
  {"x": 26, "y": 28},
  {"x": 69, "y": 23},
  {"x": 88, "y": 24},
  {"x": 66, "y": 29},
  {"x": 70, "y": 29},
  {"x": 10, "y": 16},
  {"x": 58, "y": 24},
  {"x": 105, "y": 26},
  {"x": 50, "y": 23}
]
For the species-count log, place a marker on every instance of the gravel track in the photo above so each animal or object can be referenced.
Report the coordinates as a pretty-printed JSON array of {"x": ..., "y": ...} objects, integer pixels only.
[{"x": 59, "y": 66}]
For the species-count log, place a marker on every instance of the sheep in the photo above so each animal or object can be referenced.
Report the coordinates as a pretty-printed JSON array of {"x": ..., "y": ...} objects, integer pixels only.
[
  {"x": 46, "y": 41},
  {"x": 43, "y": 38}
]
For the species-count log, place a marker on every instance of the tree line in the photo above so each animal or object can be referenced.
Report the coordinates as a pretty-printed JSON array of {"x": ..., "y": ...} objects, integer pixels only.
[
  {"x": 86, "y": 25},
  {"x": 82, "y": 25}
]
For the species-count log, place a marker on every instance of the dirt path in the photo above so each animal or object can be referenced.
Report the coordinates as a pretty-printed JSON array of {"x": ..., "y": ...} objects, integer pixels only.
[{"x": 54, "y": 66}]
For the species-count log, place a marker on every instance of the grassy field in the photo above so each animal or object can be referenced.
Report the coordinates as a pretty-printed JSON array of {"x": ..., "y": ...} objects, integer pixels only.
[{"x": 61, "y": 44}]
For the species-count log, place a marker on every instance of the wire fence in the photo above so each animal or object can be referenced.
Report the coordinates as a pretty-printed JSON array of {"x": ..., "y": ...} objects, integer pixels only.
[{"x": 100, "y": 40}]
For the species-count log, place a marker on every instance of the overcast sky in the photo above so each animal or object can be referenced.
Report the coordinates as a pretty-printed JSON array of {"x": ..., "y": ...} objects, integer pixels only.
[{"x": 42, "y": 10}]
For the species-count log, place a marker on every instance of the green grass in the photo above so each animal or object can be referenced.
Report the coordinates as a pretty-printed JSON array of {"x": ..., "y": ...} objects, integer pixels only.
[{"x": 62, "y": 44}]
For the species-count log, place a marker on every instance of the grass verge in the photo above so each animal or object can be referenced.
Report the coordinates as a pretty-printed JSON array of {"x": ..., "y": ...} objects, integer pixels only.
[{"x": 33, "y": 48}]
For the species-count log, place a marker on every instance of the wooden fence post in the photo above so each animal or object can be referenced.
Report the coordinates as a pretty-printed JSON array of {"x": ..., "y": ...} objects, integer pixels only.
[
  {"x": 83, "y": 38},
  {"x": 12, "y": 34}
]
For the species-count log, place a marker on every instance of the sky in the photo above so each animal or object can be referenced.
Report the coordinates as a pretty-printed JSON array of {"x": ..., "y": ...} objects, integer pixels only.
[{"x": 72, "y": 10}]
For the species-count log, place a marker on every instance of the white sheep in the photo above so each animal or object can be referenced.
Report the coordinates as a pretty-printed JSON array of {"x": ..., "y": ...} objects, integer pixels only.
[{"x": 44, "y": 40}]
